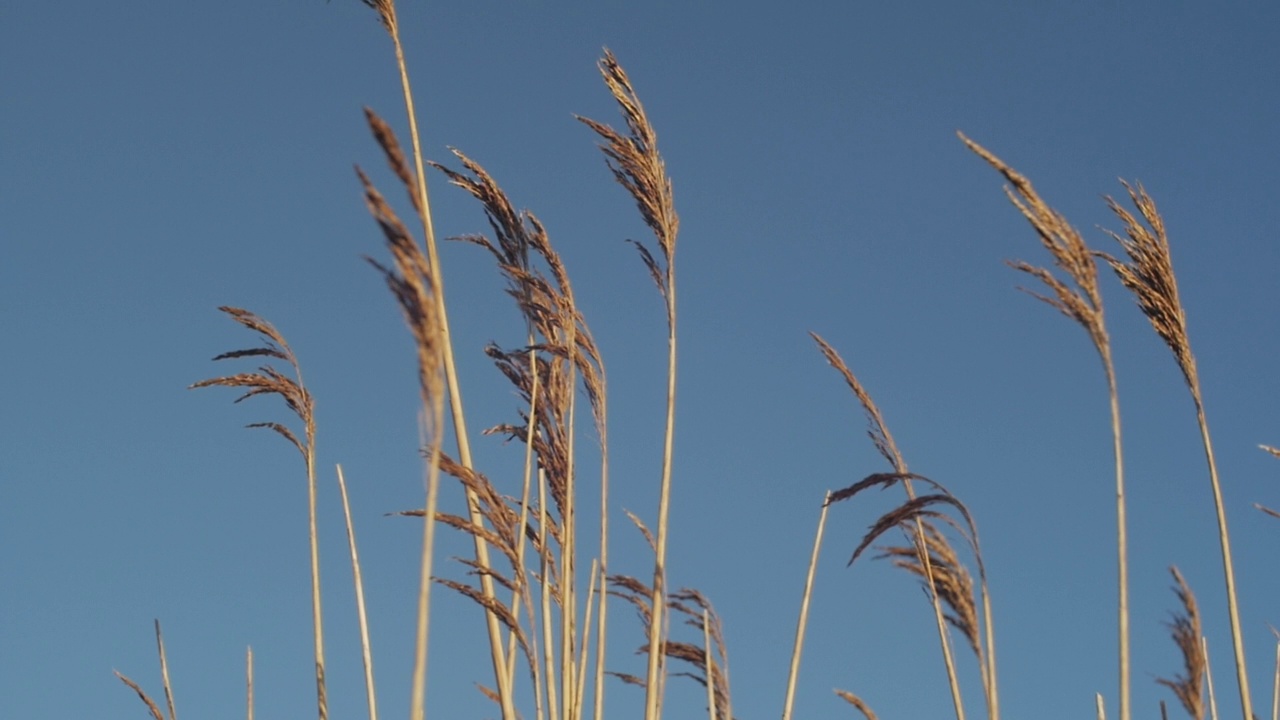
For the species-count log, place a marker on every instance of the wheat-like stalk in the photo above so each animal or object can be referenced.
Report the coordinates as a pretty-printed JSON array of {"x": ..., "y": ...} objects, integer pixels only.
[
  {"x": 884, "y": 443},
  {"x": 1148, "y": 274},
  {"x": 637, "y": 165},
  {"x": 1078, "y": 297},
  {"x": 248, "y": 683},
  {"x": 269, "y": 381},
  {"x": 416, "y": 184}
]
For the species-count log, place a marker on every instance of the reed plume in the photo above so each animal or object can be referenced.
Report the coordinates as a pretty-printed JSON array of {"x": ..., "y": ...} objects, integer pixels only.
[
  {"x": 637, "y": 165},
  {"x": 918, "y": 527},
  {"x": 269, "y": 381},
  {"x": 1148, "y": 274},
  {"x": 412, "y": 279},
  {"x": 1186, "y": 632},
  {"x": 1078, "y": 297}
]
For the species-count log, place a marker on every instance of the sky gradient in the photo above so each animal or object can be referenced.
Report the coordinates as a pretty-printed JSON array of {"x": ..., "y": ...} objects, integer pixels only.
[{"x": 161, "y": 159}]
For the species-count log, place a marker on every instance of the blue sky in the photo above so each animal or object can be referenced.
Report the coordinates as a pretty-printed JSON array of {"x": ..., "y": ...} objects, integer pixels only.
[{"x": 161, "y": 159}]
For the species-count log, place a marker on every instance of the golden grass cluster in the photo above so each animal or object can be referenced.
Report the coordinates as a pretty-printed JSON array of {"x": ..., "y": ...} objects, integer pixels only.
[{"x": 546, "y": 620}]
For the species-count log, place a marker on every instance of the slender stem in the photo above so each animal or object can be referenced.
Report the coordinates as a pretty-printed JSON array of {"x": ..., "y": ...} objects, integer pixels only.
[
  {"x": 417, "y": 707},
  {"x": 248, "y": 678},
  {"x": 520, "y": 589},
  {"x": 366, "y": 652},
  {"x": 1228, "y": 572},
  {"x": 1122, "y": 536},
  {"x": 1208, "y": 678},
  {"x": 993, "y": 698},
  {"x": 164, "y": 673},
  {"x": 548, "y": 649},
  {"x": 657, "y": 629},
  {"x": 710, "y": 662},
  {"x": 803, "y": 622},
  {"x": 584, "y": 641},
  {"x": 604, "y": 568},
  {"x": 451, "y": 377},
  {"x": 322, "y": 700}
]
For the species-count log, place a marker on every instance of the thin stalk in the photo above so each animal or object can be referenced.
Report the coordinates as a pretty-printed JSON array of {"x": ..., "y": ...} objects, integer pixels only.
[
  {"x": 803, "y": 622},
  {"x": 706, "y": 649},
  {"x": 451, "y": 375},
  {"x": 1122, "y": 536},
  {"x": 1208, "y": 678},
  {"x": 657, "y": 634},
  {"x": 1100, "y": 710},
  {"x": 366, "y": 652},
  {"x": 524, "y": 514},
  {"x": 993, "y": 698},
  {"x": 568, "y": 555},
  {"x": 1228, "y": 571},
  {"x": 248, "y": 678},
  {"x": 548, "y": 650},
  {"x": 601, "y": 624},
  {"x": 584, "y": 643},
  {"x": 417, "y": 707},
  {"x": 164, "y": 673},
  {"x": 322, "y": 699}
]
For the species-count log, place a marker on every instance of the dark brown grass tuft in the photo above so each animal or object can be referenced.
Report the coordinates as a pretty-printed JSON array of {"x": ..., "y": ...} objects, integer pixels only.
[
  {"x": 267, "y": 380},
  {"x": 1186, "y": 631}
]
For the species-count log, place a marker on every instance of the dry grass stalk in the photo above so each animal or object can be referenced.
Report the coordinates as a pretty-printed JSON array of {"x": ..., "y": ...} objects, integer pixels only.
[
  {"x": 366, "y": 652},
  {"x": 164, "y": 676},
  {"x": 884, "y": 443},
  {"x": 1079, "y": 298},
  {"x": 559, "y": 348},
  {"x": 1208, "y": 678},
  {"x": 164, "y": 673},
  {"x": 386, "y": 10},
  {"x": 637, "y": 165},
  {"x": 857, "y": 702},
  {"x": 1148, "y": 273},
  {"x": 269, "y": 381},
  {"x": 803, "y": 622},
  {"x": 1186, "y": 631},
  {"x": 248, "y": 682}
]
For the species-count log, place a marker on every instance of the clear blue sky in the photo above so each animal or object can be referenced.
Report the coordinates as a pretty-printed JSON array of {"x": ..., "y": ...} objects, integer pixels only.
[{"x": 160, "y": 159}]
